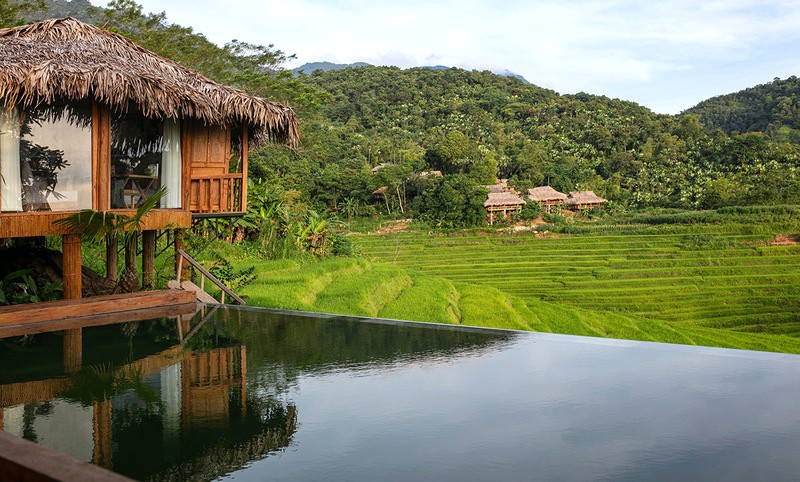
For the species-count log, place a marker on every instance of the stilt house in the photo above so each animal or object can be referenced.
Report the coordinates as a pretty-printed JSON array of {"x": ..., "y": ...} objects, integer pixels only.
[
  {"x": 501, "y": 199},
  {"x": 547, "y": 197},
  {"x": 91, "y": 120},
  {"x": 584, "y": 199}
]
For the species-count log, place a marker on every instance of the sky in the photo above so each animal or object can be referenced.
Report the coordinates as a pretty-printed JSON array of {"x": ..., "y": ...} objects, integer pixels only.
[{"x": 667, "y": 55}]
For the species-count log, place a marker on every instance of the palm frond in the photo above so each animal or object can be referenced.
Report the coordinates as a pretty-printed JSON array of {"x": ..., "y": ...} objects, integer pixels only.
[{"x": 92, "y": 225}]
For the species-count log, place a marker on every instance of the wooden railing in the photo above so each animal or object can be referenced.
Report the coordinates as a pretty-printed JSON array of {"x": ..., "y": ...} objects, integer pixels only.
[
  {"x": 205, "y": 274},
  {"x": 218, "y": 193}
]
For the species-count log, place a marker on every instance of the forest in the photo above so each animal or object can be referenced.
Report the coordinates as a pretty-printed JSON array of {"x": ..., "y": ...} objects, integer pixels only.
[{"x": 475, "y": 127}]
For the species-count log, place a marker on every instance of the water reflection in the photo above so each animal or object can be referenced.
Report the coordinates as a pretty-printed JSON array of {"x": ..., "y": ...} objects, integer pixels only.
[
  {"x": 142, "y": 403},
  {"x": 192, "y": 398},
  {"x": 255, "y": 395}
]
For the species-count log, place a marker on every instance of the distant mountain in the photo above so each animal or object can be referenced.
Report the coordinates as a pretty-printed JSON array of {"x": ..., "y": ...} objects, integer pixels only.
[
  {"x": 772, "y": 108},
  {"x": 310, "y": 67},
  {"x": 328, "y": 66},
  {"x": 508, "y": 73}
]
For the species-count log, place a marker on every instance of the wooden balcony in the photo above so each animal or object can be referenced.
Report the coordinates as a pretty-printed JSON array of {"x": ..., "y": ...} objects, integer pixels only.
[{"x": 218, "y": 194}]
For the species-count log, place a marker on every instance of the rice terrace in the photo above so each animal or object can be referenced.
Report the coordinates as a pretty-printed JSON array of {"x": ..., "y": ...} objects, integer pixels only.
[{"x": 712, "y": 278}]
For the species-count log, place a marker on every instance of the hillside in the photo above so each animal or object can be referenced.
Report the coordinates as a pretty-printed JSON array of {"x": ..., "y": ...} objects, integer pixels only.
[
  {"x": 483, "y": 126},
  {"x": 772, "y": 108},
  {"x": 474, "y": 127}
]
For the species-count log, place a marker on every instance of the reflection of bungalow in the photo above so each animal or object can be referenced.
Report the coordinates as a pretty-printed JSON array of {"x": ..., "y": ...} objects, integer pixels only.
[
  {"x": 90, "y": 120},
  {"x": 503, "y": 202},
  {"x": 547, "y": 197},
  {"x": 204, "y": 427},
  {"x": 583, "y": 199}
]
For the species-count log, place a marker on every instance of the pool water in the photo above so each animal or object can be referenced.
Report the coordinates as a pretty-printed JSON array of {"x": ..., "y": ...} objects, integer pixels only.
[{"x": 249, "y": 394}]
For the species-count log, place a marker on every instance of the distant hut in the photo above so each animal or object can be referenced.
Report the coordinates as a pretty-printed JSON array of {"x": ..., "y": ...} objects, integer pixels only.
[
  {"x": 547, "y": 197},
  {"x": 503, "y": 202},
  {"x": 380, "y": 166},
  {"x": 500, "y": 186},
  {"x": 583, "y": 199},
  {"x": 426, "y": 174}
]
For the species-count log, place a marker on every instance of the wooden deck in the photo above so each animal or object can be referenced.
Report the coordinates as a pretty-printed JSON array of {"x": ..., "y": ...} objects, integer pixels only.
[{"x": 98, "y": 310}]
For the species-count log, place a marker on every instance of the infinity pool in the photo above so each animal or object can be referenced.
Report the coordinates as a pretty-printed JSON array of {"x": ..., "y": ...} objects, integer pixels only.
[{"x": 247, "y": 394}]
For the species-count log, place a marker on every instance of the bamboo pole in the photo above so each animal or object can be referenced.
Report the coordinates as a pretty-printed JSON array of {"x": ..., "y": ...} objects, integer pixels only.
[
  {"x": 71, "y": 265},
  {"x": 148, "y": 259}
]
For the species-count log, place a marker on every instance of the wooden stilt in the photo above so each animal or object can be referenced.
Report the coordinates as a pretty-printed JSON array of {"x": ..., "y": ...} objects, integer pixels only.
[
  {"x": 181, "y": 265},
  {"x": 148, "y": 259},
  {"x": 103, "y": 453},
  {"x": 243, "y": 373},
  {"x": 71, "y": 265},
  {"x": 73, "y": 350}
]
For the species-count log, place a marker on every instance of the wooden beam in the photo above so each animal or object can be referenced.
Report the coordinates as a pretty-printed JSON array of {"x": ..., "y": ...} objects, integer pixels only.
[
  {"x": 96, "y": 305},
  {"x": 183, "y": 310},
  {"x": 28, "y": 224},
  {"x": 24, "y": 460}
]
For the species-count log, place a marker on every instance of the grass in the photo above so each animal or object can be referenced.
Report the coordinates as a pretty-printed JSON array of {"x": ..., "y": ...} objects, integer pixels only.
[{"x": 709, "y": 278}]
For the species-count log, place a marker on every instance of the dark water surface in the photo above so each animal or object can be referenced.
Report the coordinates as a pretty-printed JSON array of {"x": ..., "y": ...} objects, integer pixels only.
[{"x": 246, "y": 394}]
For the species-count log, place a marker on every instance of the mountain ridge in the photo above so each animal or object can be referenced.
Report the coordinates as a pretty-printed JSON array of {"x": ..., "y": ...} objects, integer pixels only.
[{"x": 324, "y": 65}]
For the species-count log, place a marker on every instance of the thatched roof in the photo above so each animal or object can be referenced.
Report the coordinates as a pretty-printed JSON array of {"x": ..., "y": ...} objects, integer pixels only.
[
  {"x": 545, "y": 193},
  {"x": 584, "y": 197},
  {"x": 500, "y": 186},
  {"x": 503, "y": 199},
  {"x": 66, "y": 58}
]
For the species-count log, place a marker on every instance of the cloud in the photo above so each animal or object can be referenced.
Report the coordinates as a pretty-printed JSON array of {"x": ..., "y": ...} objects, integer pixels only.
[{"x": 572, "y": 45}]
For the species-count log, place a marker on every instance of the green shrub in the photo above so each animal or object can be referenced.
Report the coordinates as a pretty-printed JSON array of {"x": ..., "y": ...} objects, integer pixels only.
[{"x": 341, "y": 245}]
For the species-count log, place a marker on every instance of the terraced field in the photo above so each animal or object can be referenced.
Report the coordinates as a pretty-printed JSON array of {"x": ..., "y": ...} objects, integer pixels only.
[{"x": 731, "y": 281}]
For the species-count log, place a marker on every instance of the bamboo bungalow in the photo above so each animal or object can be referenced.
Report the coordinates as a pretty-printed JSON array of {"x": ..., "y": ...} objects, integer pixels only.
[
  {"x": 577, "y": 201},
  {"x": 91, "y": 120},
  {"x": 502, "y": 202},
  {"x": 547, "y": 197}
]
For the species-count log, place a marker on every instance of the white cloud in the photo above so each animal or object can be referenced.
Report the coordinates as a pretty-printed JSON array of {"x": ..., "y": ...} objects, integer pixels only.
[{"x": 599, "y": 46}]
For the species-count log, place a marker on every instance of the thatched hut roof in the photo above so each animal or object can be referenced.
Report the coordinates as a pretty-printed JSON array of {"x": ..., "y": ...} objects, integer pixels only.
[
  {"x": 503, "y": 199},
  {"x": 584, "y": 197},
  {"x": 545, "y": 193},
  {"x": 66, "y": 58},
  {"x": 500, "y": 186}
]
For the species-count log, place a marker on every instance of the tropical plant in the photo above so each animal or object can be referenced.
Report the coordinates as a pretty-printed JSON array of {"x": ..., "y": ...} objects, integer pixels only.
[
  {"x": 95, "y": 226},
  {"x": 20, "y": 287}
]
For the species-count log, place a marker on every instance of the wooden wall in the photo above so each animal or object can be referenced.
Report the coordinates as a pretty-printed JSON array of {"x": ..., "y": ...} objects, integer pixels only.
[{"x": 208, "y": 186}]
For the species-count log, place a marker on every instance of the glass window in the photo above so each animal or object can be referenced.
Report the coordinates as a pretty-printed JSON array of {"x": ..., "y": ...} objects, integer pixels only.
[
  {"x": 52, "y": 145},
  {"x": 145, "y": 155}
]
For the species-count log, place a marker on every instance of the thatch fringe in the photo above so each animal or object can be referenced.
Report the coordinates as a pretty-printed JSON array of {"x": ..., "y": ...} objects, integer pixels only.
[{"x": 66, "y": 58}]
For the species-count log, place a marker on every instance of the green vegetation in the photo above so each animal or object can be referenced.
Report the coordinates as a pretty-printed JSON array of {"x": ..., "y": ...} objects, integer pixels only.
[
  {"x": 772, "y": 108},
  {"x": 713, "y": 281}
]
